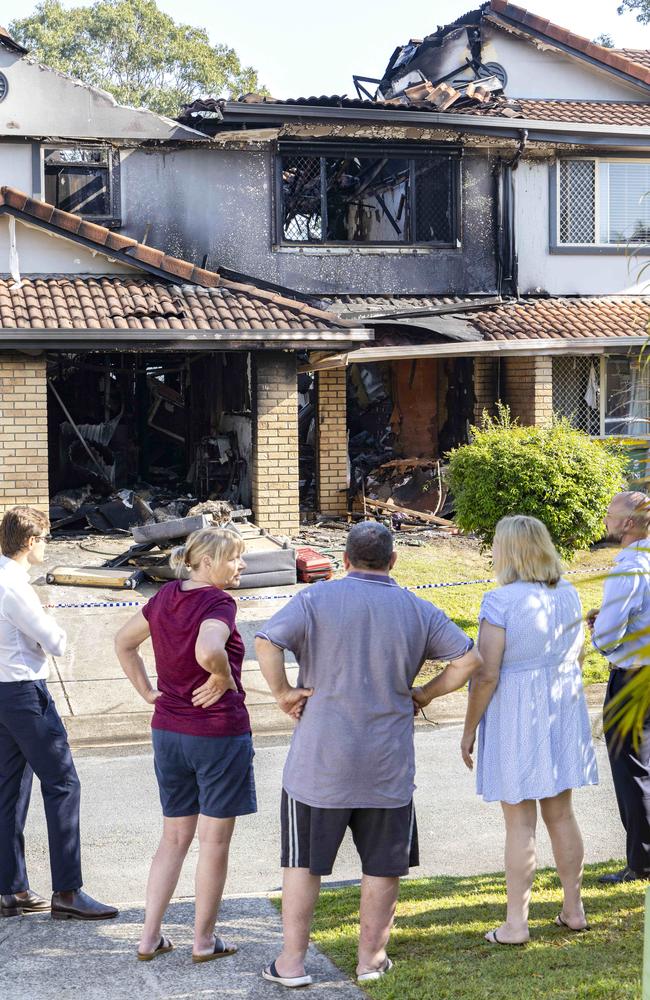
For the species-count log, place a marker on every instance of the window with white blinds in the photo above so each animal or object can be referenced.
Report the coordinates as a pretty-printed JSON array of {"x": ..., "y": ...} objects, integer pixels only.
[{"x": 603, "y": 202}]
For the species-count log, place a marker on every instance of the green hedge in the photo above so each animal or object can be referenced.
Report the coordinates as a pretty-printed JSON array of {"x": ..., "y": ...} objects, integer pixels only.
[{"x": 557, "y": 474}]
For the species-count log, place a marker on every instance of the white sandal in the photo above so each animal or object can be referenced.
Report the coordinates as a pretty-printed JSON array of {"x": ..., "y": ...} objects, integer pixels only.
[
  {"x": 291, "y": 982},
  {"x": 366, "y": 977}
]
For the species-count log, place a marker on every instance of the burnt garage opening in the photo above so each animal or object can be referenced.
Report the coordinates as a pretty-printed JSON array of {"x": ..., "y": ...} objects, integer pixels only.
[
  {"x": 173, "y": 427},
  {"x": 403, "y": 418}
]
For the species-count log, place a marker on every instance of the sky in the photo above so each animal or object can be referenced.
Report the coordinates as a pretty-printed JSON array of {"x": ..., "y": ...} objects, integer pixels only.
[{"x": 300, "y": 47}]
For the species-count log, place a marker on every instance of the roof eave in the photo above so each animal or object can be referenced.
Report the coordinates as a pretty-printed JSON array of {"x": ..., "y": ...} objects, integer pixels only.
[
  {"x": 21, "y": 338},
  {"x": 538, "y": 129},
  {"x": 485, "y": 348}
]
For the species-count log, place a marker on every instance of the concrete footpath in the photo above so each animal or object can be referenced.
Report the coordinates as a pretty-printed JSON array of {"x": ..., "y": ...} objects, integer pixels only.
[
  {"x": 41, "y": 959},
  {"x": 98, "y": 703}
]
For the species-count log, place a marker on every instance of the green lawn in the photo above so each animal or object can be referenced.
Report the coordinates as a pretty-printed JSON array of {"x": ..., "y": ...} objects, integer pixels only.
[
  {"x": 439, "y": 951},
  {"x": 446, "y": 560}
]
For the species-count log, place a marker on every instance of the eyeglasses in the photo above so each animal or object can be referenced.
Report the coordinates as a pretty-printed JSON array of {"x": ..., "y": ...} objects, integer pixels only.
[{"x": 43, "y": 538}]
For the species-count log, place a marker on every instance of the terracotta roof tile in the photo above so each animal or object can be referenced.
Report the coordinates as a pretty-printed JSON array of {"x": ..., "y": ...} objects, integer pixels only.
[
  {"x": 569, "y": 318},
  {"x": 252, "y": 302},
  {"x": 610, "y": 57},
  {"x": 589, "y": 112},
  {"x": 108, "y": 302},
  {"x": 641, "y": 56}
]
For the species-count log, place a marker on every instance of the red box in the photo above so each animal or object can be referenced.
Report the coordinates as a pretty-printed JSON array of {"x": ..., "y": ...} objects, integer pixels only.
[{"x": 312, "y": 565}]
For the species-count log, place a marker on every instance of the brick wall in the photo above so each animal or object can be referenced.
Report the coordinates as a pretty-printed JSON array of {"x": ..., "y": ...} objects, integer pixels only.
[
  {"x": 527, "y": 388},
  {"x": 23, "y": 432},
  {"x": 486, "y": 387},
  {"x": 332, "y": 442},
  {"x": 275, "y": 443}
]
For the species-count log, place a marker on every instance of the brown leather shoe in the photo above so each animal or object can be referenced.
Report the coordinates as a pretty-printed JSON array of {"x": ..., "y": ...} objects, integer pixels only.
[
  {"x": 78, "y": 905},
  {"x": 13, "y": 905}
]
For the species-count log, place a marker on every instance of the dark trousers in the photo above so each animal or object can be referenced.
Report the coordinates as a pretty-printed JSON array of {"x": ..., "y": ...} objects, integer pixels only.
[
  {"x": 631, "y": 774},
  {"x": 33, "y": 740}
]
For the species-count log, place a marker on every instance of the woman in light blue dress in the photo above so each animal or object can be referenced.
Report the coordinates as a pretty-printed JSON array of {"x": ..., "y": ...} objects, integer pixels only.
[{"x": 528, "y": 704}]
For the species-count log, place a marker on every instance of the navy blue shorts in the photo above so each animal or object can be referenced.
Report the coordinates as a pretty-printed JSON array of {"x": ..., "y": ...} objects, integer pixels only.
[{"x": 211, "y": 775}]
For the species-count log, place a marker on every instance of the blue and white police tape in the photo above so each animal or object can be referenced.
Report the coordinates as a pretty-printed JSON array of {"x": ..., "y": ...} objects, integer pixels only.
[{"x": 285, "y": 597}]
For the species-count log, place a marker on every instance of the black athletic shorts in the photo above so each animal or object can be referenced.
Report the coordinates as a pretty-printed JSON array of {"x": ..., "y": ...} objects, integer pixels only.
[{"x": 386, "y": 839}]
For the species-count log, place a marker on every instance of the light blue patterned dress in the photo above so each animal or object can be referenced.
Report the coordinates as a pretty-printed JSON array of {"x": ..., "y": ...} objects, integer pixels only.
[{"x": 534, "y": 740}]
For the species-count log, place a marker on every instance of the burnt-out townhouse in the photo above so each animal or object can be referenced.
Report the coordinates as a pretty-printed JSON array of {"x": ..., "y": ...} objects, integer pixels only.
[
  {"x": 472, "y": 227},
  {"x": 125, "y": 362},
  {"x": 481, "y": 210}
]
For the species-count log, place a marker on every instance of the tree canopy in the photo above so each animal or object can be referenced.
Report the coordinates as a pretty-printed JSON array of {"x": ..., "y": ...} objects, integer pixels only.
[
  {"x": 135, "y": 51},
  {"x": 642, "y": 7}
]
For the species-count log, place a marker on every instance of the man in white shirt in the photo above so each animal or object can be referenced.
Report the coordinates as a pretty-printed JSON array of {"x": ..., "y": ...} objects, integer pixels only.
[
  {"x": 33, "y": 739},
  {"x": 621, "y": 632}
]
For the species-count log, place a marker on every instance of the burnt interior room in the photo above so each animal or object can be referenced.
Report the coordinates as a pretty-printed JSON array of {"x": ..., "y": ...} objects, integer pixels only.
[
  {"x": 403, "y": 417},
  {"x": 169, "y": 426}
]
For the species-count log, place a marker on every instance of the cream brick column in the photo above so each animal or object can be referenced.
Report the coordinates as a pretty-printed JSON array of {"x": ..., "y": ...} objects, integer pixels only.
[
  {"x": 528, "y": 390},
  {"x": 23, "y": 432},
  {"x": 486, "y": 387},
  {"x": 332, "y": 442},
  {"x": 275, "y": 443}
]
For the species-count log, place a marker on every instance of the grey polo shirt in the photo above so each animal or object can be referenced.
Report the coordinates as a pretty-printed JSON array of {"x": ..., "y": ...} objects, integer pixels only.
[{"x": 359, "y": 643}]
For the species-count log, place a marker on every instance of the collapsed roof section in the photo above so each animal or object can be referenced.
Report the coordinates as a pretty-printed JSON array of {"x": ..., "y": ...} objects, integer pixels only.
[
  {"x": 451, "y": 74},
  {"x": 422, "y": 58}
]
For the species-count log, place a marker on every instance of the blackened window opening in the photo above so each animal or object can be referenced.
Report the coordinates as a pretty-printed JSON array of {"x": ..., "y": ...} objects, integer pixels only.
[
  {"x": 78, "y": 179},
  {"x": 368, "y": 198}
]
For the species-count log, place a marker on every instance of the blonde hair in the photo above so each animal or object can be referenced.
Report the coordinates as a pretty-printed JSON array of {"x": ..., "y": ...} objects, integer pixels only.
[
  {"x": 217, "y": 543},
  {"x": 524, "y": 550}
]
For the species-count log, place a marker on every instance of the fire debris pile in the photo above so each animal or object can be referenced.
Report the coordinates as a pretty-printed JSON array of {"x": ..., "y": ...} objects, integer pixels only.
[
  {"x": 408, "y": 493},
  {"x": 137, "y": 439},
  {"x": 413, "y": 89},
  {"x": 270, "y": 561}
]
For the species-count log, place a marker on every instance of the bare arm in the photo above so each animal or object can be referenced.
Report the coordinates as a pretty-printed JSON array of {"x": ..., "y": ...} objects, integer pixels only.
[
  {"x": 454, "y": 676},
  {"x": 127, "y": 646},
  {"x": 210, "y": 652},
  {"x": 491, "y": 644},
  {"x": 271, "y": 660}
]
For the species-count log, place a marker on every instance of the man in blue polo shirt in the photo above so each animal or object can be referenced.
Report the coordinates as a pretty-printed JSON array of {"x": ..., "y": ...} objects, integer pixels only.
[{"x": 359, "y": 643}]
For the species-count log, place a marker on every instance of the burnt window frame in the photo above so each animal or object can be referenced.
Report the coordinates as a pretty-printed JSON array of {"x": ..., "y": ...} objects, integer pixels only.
[
  {"x": 112, "y": 220},
  {"x": 403, "y": 151}
]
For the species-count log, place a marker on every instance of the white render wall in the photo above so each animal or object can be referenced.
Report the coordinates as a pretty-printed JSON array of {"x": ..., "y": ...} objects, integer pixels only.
[
  {"x": 564, "y": 274},
  {"x": 42, "y": 253},
  {"x": 16, "y": 165},
  {"x": 44, "y": 102},
  {"x": 541, "y": 74}
]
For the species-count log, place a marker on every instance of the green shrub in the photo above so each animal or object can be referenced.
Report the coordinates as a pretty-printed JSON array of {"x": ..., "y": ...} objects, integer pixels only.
[{"x": 557, "y": 474}]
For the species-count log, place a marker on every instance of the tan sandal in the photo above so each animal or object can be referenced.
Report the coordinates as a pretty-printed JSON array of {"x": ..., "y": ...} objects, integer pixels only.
[
  {"x": 220, "y": 950},
  {"x": 164, "y": 946}
]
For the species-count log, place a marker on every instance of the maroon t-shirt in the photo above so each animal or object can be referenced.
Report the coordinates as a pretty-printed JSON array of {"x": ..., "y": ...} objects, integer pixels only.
[{"x": 175, "y": 617}]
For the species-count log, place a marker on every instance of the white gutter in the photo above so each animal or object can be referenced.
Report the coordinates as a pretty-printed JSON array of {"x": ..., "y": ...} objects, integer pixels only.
[{"x": 482, "y": 348}]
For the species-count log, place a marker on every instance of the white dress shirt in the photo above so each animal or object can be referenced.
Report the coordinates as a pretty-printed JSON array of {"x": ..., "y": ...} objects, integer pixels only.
[
  {"x": 27, "y": 632},
  {"x": 622, "y": 629}
]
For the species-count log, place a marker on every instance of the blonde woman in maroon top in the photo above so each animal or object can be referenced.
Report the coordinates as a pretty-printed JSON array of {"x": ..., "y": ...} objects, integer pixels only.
[{"x": 203, "y": 752}]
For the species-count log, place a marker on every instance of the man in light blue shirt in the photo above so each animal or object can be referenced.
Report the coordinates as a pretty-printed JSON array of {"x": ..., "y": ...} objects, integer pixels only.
[{"x": 621, "y": 632}]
